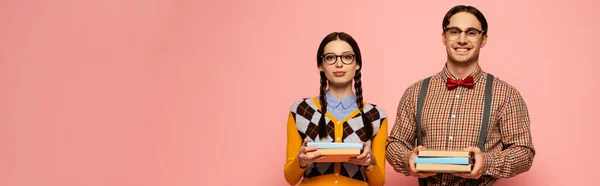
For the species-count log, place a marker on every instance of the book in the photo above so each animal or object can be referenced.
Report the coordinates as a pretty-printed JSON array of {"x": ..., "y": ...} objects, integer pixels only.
[
  {"x": 324, "y": 145},
  {"x": 443, "y": 168},
  {"x": 336, "y": 155},
  {"x": 336, "y": 152},
  {"x": 443, "y": 153},
  {"x": 449, "y": 160},
  {"x": 444, "y": 161}
]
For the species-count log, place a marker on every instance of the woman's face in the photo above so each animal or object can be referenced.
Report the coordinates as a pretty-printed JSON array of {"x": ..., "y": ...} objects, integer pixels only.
[{"x": 339, "y": 63}]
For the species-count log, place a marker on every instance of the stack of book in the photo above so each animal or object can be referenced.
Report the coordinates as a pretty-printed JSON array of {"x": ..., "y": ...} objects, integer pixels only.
[
  {"x": 336, "y": 152},
  {"x": 444, "y": 161}
]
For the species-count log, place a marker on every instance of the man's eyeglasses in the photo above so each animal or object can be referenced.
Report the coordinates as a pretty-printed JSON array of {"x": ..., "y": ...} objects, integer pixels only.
[
  {"x": 331, "y": 59},
  {"x": 471, "y": 33}
]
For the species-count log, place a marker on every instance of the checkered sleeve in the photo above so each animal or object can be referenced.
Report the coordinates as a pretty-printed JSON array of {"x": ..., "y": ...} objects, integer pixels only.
[
  {"x": 401, "y": 140},
  {"x": 517, "y": 155}
]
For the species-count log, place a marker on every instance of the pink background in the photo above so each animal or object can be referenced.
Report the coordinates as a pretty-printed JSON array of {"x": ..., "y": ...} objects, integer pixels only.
[{"x": 174, "y": 93}]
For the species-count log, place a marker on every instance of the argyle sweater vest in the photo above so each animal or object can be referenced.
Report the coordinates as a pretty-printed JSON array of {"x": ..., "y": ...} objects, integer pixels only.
[{"x": 307, "y": 115}]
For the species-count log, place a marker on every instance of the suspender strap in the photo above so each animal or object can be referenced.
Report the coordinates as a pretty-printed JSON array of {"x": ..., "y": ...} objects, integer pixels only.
[
  {"x": 422, "y": 93},
  {"x": 486, "y": 111},
  {"x": 486, "y": 118},
  {"x": 484, "y": 123}
]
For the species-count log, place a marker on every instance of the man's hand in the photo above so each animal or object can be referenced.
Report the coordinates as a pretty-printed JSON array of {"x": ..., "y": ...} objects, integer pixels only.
[
  {"x": 479, "y": 166},
  {"x": 411, "y": 162}
]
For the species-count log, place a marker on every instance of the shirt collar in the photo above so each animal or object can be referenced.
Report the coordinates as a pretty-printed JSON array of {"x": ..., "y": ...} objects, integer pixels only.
[
  {"x": 477, "y": 74},
  {"x": 345, "y": 103}
]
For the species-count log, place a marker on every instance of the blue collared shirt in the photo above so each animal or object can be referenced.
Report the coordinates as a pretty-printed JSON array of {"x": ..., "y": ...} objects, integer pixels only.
[{"x": 341, "y": 108}]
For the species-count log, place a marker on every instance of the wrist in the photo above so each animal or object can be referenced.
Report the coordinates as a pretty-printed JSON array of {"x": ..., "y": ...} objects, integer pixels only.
[
  {"x": 488, "y": 166},
  {"x": 370, "y": 166},
  {"x": 301, "y": 164}
]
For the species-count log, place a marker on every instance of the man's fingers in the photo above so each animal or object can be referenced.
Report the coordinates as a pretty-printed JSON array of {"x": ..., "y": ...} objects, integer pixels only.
[
  {"x": 476, "y": 171},
  {"x": 466, "y": 175},
  {"x": 427, "y": 173},
  {"x": 419, "y": 148},
  {"x": 472, "y": 149},
  {"x": 412, "y": 167},
  {"x": 424, "y": 174},
  {"x": 461, "y": 175}
]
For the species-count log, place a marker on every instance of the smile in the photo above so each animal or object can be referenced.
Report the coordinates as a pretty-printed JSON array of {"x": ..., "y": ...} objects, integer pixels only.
[{"x": 462, "y": 51}]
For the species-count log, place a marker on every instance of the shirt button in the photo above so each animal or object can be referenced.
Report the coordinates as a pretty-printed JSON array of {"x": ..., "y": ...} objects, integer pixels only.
[
  {"x": 336, "y": 174},
  {"x": 457, "y": 96},
  {"x": 339, "y": 122},
  {"x": 453, "y": 115},
  {"x": 443, "y": 183},
  {"x": 450, "y": 137},
  {"x": 338, "y": 139},
  {"x": 336, "y": 182}
]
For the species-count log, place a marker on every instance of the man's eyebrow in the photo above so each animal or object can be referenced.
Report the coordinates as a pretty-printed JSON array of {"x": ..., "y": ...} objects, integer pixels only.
[{"x": 465, "y": 29}]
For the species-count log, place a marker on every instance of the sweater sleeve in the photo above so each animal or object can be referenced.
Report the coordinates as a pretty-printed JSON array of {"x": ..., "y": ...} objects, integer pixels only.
[
  {"x": 377, "y": 175},
  {"x": 292, "y": 171}
]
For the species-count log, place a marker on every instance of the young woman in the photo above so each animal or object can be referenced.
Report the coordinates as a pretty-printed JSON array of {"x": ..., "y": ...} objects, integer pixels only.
[{"x": 338, "y": 114}]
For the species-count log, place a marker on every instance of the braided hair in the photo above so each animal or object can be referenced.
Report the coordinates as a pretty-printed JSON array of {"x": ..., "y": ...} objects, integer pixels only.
[{"x": 368, "y": 127}]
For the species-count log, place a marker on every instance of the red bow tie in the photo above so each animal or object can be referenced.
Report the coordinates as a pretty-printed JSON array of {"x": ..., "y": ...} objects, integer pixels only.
[{"x": 467, "y": 82}]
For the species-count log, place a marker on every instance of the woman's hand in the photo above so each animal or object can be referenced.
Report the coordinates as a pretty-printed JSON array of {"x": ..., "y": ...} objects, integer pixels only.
[
  {"x": 365, "y": 158},
  {"x": 304, "y": 159}
]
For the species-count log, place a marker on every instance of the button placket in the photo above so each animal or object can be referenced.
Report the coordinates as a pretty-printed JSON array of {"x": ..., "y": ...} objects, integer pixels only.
[{"x": 456, "y": 103}]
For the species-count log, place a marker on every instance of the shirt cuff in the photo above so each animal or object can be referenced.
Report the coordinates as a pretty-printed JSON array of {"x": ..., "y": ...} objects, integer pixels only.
[
  {"x": 404, "y": 167},
  {"x": 489, "y": 163}
]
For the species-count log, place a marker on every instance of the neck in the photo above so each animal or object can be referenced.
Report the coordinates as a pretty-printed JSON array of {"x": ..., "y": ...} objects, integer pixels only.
[
  {"x": 341, "y": 91},
  {"x": 462, "y": 70}
]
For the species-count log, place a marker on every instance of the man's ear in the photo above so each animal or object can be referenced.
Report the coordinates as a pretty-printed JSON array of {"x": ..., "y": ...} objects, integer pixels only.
[
  {"x": 444, "y": 39},
  {"x": 483, "y": 41}
]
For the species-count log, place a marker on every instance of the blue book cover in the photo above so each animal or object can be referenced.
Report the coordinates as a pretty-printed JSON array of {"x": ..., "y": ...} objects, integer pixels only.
[
  {"x": 456, "y": 161},
  {"x": 323, "y": 145}
]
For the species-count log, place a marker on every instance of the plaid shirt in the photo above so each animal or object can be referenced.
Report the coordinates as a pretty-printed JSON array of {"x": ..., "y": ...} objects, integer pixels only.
[{"x": 451, "y": 120}]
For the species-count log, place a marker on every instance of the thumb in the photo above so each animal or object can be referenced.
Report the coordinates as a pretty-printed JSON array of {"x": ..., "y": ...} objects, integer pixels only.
[
  {"x": 305, "y": 142},
  {"x": 472, "y": 149}
]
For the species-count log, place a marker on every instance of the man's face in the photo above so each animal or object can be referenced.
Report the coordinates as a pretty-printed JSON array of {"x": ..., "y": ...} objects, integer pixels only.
[{"x": 463, "y": 38}]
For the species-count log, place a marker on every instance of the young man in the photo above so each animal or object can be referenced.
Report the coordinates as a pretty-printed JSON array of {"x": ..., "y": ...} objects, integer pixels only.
[{"x": 463, "y": 108}]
